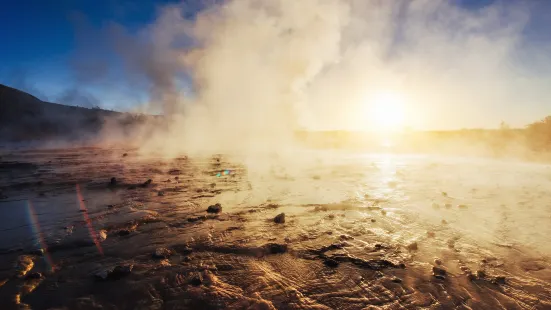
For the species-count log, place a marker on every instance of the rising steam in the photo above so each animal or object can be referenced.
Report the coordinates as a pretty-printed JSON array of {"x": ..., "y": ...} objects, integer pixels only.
[{"x": 244, "y": 75}]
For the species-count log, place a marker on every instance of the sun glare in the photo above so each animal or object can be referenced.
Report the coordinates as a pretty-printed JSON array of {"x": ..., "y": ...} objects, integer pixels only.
[{"x": 387, "y": 111}]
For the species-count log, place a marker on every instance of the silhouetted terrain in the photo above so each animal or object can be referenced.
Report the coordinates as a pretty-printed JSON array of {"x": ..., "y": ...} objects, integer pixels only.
[{"x": 24, "y": 117}]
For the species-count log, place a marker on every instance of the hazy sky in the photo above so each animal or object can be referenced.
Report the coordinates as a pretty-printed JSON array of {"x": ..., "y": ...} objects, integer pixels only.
[{"x": 62, "y": 51}]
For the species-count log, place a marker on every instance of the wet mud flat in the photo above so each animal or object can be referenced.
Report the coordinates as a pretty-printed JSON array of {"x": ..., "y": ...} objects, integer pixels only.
[{"x": 94, "y": 228}]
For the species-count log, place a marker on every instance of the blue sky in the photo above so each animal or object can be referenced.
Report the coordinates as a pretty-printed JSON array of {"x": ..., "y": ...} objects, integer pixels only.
[
  {"x": 44, "y": 39},
  {"x": 44, "y": 42}
]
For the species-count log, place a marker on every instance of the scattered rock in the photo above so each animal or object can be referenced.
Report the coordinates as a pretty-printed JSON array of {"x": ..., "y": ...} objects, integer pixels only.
[
  {"x": 160, "y": 193},
  {"x": 125, "y": 154},
  {"x": 275, "y": 248},
  {"x": 346, "y": 237},
  {"x": 462, "y": 206},
  {"x": 187, "y": 259},
  {"x": 34, "y": 275},
  {"x": 448, "y": 205},
  {"x": 196, "y": 279},
  {"x": 186, "y": 250},
  {"x": 37, "y": 252},
  {"x": 439, "y": 273},
  {"x": 102, "y": 234},
  {"x": 110, "y": 206},
  {"x": 124, "y": 232},
  {"x": 431, "y": 234},
  {"x": 444, "y": 222},
  {"x": 24, "y": 264},
  {"x": 161, "y": 253},
  {"x": 499, "y": 280},
  {"x": 396, "y": 280},
  {"x": 216, "y": 208},
  {"x": 331, "y": 263},
  {"x": 147, "y": 183},
  {"x": 113, "y": 181},
  {"x": 437, "y": 261},
  {"x": 383, "y": 212},
  {"x": 444, "y": 194},
  {"x": 412, "y": 246},
  {"x": 280, "y": 218},
  {"x": 373, "y": 220},
  {"x": 114, "y": 273},
  {"x": 480, "y": 274}
]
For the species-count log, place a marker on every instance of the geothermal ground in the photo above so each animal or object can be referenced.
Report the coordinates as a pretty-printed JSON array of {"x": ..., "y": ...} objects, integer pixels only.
[{"x": 94, "y": 228}]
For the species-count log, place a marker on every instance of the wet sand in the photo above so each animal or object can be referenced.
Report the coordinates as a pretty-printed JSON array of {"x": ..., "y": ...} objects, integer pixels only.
[{"x": 359, "y": 232}]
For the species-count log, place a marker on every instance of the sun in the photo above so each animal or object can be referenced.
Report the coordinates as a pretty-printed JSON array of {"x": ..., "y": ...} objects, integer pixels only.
[{"x": 387, "y": 111}]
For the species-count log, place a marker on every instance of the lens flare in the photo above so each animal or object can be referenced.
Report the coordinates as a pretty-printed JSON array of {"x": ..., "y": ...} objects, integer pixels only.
[
  {"x": 84, "y": 212},
  {"x": 37, "y": 233}
]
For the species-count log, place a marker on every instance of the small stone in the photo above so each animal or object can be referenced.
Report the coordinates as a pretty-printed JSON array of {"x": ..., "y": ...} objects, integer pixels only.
[
  {"x": 113, "y": 181},
  {"x": 187, "y": 259},
  {"x": 160, "y": 193},
  {"x": 448, "y": 205},
  {"x": 275, "y": 248},
  {"x": 438, "y": 270},
  {"x": 346, "y": 237},
  {"x": 37, "y": 252},
  {"x": 331, "y": 263},
  {"x": 396, "y": 280},
  {"x": 280, "y": 218},
  {"x": 373, "y": 220},
  {"x": 216, "y": 208},
  {"x": 437, "y": 261},
  {"x": 114, "y": 273},
  {"x": 499, "y": 280},
  {"x": 196, "y": 280},
  {"x": 110, "y": 206},
  {"x": 102, "y": 234},
  {"x": 480, "y": 274},
  {"x": 444, "y": 222},
  {"x": 187, "y": 250},
  {"x": 462, "y": 206},
  {"x": 444, "y": 194},
  {"x": 431, "y": 234},
  {"x": 439, "y": 273},
  {"x": 146, "y": 183},
  {"x": 102, "y": 275},
  {"x": 125, "y": 154},
  {"x": 124, "y": 232},
  {"x": 161, "y": 253},
  {"x": 412, "y": 246},
  {"x": 383, "y": 212},
  {"x": 34, "y": 275}
]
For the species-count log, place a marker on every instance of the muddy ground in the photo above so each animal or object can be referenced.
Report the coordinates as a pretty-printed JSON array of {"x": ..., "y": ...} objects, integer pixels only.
[{"x": 94, "y": 228}]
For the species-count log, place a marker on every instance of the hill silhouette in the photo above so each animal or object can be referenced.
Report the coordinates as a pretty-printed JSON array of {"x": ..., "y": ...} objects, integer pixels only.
[{"x": 24, "y": 117}]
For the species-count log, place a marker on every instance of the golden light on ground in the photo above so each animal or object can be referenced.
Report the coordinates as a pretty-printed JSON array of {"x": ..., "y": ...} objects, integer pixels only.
[{"x": 386, "y": 111}]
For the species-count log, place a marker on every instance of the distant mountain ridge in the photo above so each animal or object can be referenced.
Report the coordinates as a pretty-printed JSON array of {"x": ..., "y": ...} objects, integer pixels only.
[{"x": 24, "y": 117}]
